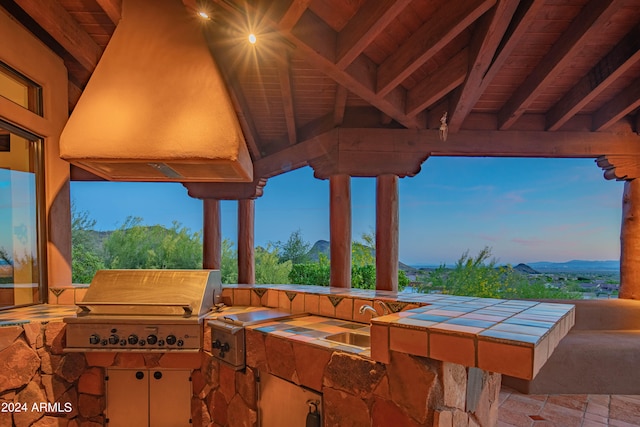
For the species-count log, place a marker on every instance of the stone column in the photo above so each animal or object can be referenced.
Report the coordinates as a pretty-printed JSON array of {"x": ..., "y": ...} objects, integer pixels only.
[
  {"x": 387, "y": 226},
  {"x": 340, "y": 230},
  {"x": 630, "y": 241},
  {"x": 246, "y": 254},
  {"x": 211, "y": 235}
]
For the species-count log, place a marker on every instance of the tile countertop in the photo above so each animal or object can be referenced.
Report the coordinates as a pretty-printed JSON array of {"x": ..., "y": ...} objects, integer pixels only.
[
  {"x": 36, "y": 313},
  {"x": 511, "y": 337}
]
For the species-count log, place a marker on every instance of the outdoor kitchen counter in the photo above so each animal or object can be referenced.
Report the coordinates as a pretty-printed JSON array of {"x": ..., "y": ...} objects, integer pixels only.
[
  {"x": 38, "y": 313},
  {"x": 511, "y": 337}
]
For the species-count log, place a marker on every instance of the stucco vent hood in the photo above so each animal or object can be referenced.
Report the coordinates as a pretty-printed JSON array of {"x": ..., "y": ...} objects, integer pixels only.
[{"x": 156, "y": 107}]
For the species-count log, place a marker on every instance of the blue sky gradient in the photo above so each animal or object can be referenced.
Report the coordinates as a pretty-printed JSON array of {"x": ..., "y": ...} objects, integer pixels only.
[{"x": 526, "y": 210}]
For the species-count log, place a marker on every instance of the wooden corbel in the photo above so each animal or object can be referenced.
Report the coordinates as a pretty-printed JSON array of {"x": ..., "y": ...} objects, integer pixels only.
[
  {"x": 620, "y": 167},
  {"x": 226, "y": 190}
]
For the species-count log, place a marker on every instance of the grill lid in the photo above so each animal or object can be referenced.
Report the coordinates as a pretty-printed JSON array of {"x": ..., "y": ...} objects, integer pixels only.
[{"x": 183, "y": 293}]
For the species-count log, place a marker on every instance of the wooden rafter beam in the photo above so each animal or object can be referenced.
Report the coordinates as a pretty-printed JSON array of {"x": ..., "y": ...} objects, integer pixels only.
[
  {"x": 623, "y": 56},
  {"x": 435, "y": 86},
  {"x": 113, "y": 9},
  {"x": 346, "y": 149},
  {"x": 372, "y": 18},
  {"x": 490, "y": 143},
  {"x": 293, "y": 157},
  {"x": 292, "y": 13},
  {"x": 340, "y": 105},
  {"x": 587, "y": 24},
  {"x": 441, "y": 28},
  {"x": 61, "y": 26},
  {"x": 624, "y": 103},
  {"x": 484, "y": 45},
  {"x": 284, "y": 75}
]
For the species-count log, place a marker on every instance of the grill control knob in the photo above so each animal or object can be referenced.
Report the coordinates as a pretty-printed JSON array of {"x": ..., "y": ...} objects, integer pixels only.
[
  {"x": 152, "y": 339},
  {"x": 114, "y": 339},
  {"x": 94, "y": 339},
  {"x": 180, "y": 343},
  {"x": 171, "y": 339},
  {"x": 160, "y": 343},
  {"x": 132, "y": 339},
  {"x": 142, "y": 342}
]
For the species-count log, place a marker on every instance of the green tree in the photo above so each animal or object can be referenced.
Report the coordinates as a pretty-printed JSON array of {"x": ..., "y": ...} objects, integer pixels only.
[
  {"x": 478, "y": 276},
  {"x": 312, "y": 273},
  {"x": 229, "y": 263},
  {"x": 364, "y": 252},
  {"x": 134, "y": 245},
  {"x": 269, "y": 269},
  {"x": 86, "y": 255},
  {"x": 295, "y": 249}
]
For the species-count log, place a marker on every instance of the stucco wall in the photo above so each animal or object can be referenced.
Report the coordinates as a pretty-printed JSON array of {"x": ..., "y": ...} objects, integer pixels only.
[{"x": 23, "y": 52}]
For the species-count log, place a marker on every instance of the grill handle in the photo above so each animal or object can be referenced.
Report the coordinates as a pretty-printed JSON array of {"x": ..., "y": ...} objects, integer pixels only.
[{"x": 85, "y": 306}]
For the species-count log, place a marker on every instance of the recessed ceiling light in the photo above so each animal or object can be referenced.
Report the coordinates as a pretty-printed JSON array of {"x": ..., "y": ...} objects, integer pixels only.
[
  {"x": 252, "y": 38},
  {"x": 204, "y": 15}
]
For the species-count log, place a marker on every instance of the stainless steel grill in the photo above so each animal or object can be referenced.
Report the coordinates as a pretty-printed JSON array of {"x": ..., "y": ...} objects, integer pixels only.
[{"x": 144, "y": 311}]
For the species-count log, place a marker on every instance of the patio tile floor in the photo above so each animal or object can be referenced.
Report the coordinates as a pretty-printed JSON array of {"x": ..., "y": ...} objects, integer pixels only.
[{"x": 567, "y": 410}]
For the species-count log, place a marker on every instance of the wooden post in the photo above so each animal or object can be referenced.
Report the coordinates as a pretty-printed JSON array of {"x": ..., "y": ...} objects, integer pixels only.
[
  {"x": 246, "y": 254},
  {"x": 212, "y": 236},
  {"x": 387, "y": 220},
  {"x": 340, "y": 230},
  {"x": 630, "y": 241}
]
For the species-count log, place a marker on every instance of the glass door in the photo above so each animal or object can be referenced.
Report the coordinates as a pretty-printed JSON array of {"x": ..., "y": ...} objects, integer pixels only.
[{"x": 21, "y": 231}]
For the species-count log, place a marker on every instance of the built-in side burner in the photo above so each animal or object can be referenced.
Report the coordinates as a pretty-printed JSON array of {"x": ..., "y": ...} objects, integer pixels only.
[
  {"x": 144, "y": 311},
  {"x": 228, "y": 336}
]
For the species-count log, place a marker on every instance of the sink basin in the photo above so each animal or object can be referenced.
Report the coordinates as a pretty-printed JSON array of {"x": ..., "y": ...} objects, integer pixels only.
[{"x": 351, "y": 338}]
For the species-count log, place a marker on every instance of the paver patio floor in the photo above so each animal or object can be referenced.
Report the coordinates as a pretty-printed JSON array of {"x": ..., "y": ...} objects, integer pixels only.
[{"x": 568, "y": 410}]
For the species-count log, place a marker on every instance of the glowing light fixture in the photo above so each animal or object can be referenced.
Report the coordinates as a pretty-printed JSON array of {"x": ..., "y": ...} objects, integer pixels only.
[
  {"x": 252, "y": 38},
  {"x": 204, "y": 15}
]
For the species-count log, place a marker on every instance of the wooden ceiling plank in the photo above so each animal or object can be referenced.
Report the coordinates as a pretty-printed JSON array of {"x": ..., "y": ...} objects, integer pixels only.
[
  {"x": 315, "y": 42},
  {"x": 293, "y": 13},
  {"x": 484, "y": 45},
  {"x": 318, "y": 48},
  {"x": 522, "y": 20},
  {"x": 437, "y": 85},
  {"x": 430, "y": 38},
  {"x": 614, "y": 110},
  {"x": 587, "y": 24},
  {"x": 372, "y": 18},
  {"x": 284, "y": 76},
  {"x": 240, "y": 104},
  {"x": 340, "y": 105},
  {"x": 624, "y": 55},
  {"x": 60, "y": 25},
  {"x": 113, "y": 9}
]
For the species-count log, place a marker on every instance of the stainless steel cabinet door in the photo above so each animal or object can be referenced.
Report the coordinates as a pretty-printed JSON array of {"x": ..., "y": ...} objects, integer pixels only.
[
  {"x": 148, "y": 398},
  {"x": 127, "y": 397},
  {"x": 169, "y": 398}
]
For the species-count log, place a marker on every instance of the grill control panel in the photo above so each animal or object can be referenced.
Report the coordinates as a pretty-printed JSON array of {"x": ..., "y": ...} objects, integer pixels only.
[{"x": 160, "y": 337}]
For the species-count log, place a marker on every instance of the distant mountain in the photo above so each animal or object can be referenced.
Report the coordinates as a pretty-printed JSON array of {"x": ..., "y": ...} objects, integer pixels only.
[
  {"x": 524, "y": 268},
  {"x": 576, "y": 266},
  {"x": 319, "y": 247}
]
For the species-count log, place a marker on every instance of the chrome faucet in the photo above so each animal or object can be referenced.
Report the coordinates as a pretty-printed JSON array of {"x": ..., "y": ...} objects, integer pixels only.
[
  {"x": 366, "y": 307},
  {"x": 385, "y": 308}
]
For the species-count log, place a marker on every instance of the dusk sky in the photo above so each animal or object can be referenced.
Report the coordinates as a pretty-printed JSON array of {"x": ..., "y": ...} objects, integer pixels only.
[{"x": 526, "y": 210}]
